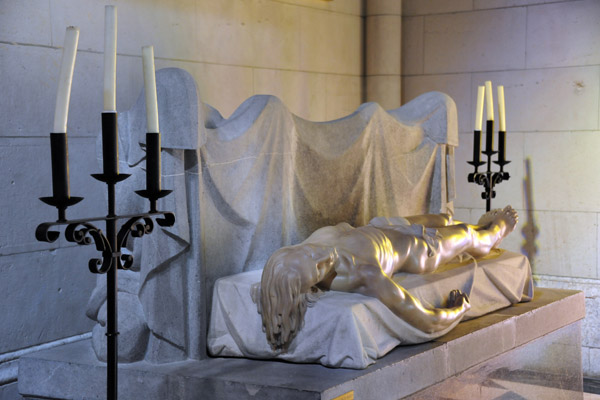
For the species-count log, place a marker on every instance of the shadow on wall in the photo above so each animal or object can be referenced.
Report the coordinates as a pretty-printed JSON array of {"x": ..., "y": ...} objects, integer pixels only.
[{"x": 530, "y": 229}]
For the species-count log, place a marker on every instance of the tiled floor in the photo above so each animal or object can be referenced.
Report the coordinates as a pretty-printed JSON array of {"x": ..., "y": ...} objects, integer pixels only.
[
  {"x": 592, "y": 386},
  {"x": 491, "y": 383},
  {"x": 496, "y": 389},
  {"x": 510, "y": 390}
]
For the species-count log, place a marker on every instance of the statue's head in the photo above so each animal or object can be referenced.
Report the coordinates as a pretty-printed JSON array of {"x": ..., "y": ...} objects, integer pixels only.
[{"x": 287, "y": 289}]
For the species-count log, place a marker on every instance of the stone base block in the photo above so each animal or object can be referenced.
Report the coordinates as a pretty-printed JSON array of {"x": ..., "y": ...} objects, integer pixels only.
[{"x": 537, "y": 333}]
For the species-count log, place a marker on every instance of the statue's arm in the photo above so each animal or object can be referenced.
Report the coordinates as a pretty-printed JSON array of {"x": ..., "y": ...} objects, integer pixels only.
[{"x": 372, "y": 282}]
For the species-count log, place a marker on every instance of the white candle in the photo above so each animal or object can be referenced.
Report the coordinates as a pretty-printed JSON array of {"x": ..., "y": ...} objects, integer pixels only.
[
  {"x": 501, "y": 110},
  {"x": 150, "y": 89},
  {"x": 65, "y": 80},
  {"x": 489, "y": 96},
  {"x": 110, "y": 58},
  {"x": 479, "y": 109}
]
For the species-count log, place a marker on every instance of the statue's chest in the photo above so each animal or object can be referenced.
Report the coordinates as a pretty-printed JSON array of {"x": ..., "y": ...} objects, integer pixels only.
[{"x": 370, "y": 247}]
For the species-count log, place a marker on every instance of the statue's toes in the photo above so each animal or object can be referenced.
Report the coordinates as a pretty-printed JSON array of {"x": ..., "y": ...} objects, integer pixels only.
[{"x": 511, "y": 212}]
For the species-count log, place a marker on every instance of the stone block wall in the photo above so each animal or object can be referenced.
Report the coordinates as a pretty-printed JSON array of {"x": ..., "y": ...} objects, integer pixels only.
[
  {"x": 383, "y": 52},
  {"x": 307, "y": 52},
  {"x": 547, "y": 56}
]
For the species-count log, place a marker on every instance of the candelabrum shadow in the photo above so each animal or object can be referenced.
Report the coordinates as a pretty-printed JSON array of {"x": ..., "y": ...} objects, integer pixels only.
[{"x": 530, "y": 230}]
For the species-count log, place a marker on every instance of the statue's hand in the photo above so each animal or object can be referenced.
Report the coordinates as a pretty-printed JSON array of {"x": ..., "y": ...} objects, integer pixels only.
[{"x": 458, "y": 299}]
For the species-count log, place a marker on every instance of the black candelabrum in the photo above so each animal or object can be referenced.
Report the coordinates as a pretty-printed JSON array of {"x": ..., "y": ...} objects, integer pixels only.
[
  {"x": 109, "y": 243},
  {"x": 489, "y": 179}
]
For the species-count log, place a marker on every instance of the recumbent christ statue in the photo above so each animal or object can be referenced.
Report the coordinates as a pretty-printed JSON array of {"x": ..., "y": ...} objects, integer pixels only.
[{"x": 364, "y": 259}]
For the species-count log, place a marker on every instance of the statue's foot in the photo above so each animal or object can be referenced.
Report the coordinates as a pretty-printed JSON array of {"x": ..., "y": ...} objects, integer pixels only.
[
  {"x": 456, "y": 298},
  {"x": 506, "y": 220},
  {"x": 488, "y": 217}
]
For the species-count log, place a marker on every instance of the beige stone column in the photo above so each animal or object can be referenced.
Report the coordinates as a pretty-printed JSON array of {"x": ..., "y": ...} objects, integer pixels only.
[{"x": 383, "y": 42}]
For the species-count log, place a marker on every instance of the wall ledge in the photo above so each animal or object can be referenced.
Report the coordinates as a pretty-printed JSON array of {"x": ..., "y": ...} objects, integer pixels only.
[{"x": 9, "y": 361}]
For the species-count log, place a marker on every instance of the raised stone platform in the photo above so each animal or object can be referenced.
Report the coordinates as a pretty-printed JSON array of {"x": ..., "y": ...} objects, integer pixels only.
[{"x": 536, "y": 334}]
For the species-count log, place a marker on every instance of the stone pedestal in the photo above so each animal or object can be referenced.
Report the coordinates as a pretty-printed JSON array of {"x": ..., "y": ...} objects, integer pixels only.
[{"x": 526, "y": 347}]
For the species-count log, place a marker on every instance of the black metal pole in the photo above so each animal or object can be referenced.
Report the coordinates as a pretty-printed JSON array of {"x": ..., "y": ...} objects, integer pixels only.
[
  {"x": 489, "y": 137},
  {"x": 489, "y": 152},
  {"x": 111, "y": 303},
  {"x": 110, "y": 156},
  {"x": 489, "y": 188}
]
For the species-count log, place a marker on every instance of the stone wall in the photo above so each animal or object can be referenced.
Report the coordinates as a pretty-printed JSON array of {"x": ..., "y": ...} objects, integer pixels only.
[
  {"x": 307, "y": 52},
  {"x": 383, "y": 52},
  {"x": 310, "y": 54},
  {"x": 547, "y": 56}
]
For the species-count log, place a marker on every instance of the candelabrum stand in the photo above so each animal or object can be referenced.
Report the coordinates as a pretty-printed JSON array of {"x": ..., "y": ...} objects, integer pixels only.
[
  {"x": 489, "y": 179},
  {"x": 109, "y": 243}
]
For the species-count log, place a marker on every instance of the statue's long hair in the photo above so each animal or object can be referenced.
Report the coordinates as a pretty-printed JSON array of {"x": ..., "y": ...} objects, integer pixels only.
[{"x": 280, "y": 302}]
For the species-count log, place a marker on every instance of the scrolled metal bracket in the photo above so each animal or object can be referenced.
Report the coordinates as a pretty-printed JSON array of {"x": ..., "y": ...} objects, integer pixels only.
[
  {"x": 488, "y": 180},
  {"x": 89, "y": 234},
  {"x": 84, "y": 233},
  {"x": 138, "y": 226}
]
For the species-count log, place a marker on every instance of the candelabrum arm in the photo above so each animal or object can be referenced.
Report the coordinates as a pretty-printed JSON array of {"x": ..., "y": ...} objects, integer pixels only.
[{"x": 83, "y": 232}]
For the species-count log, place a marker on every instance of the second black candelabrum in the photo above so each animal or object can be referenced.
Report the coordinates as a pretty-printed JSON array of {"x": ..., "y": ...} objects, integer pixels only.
[{"x": 487, "y": 178}]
